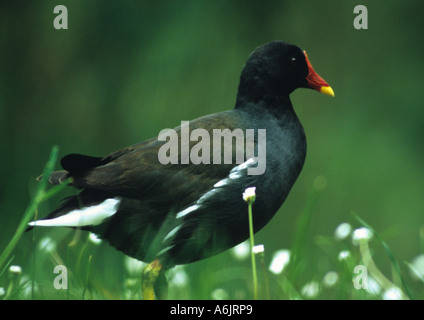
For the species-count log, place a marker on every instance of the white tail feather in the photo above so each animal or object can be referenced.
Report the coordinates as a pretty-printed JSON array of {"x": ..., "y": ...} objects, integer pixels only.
[{"x": 88, "y": 216}]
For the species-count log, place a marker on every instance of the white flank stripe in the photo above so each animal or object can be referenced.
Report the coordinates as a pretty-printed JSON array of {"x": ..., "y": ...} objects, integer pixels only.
[
  {"x": 88, "y": 216},
  {"x": 187, "y": 211},
  {"x": 172, "y": 233},
  {"x": 165, "y": 250},
  {"x": 244, "y": 165},
  {"x": 220, "y": 183},
  {"x": 235, "y": 173}
]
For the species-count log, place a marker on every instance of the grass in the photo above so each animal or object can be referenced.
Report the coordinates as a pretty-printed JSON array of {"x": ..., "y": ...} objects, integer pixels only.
[
  {"x": 40, "y": 196},
  {"x": 250, "y": 199},
  {"x": 324, "y": 267}
]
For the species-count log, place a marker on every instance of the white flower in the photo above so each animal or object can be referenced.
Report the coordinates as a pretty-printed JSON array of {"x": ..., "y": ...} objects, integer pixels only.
[
  {"x": 94, "y": 238},
  {"x": 373, "y": 286},
  {"x": 219, "y": 294},
  {"x": 178, "y": 277},
  {"x": 241, "y": 251},
  {"x": 279, "y": 261},
  {"x": 343, "y": 255},
  {"x": 310, "y": 290},
  {"x": 342, "y": 231},
  {"x": 249, "y": 195},
  {"x": 47, "y": 245},
  {"x": 330, "y": 279},
  {"x": 258, "y": 249},
  {"x": 361, "y": 234},
  {"x": 392, "y": 294},
  {"x": 15, "y": 270}
]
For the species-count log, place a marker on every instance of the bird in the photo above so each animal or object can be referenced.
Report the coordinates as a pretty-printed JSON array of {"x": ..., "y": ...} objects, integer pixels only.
[{"x": 174, "y": 211}]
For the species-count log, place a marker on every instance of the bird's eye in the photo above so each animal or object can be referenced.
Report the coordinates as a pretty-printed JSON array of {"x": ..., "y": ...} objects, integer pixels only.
[{"x": 293, "y": 61}]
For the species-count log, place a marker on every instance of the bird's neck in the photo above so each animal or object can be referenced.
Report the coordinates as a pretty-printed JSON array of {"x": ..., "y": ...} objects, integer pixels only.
[{"x": 279, "y": 105}]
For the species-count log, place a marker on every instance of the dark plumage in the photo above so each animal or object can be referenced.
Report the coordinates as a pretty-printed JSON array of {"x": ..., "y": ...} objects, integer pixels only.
[{"x": 154, "y": 209}]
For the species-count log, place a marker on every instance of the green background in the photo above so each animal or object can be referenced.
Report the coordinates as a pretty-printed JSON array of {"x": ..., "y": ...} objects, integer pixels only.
[{"x": 124, "y": 70}]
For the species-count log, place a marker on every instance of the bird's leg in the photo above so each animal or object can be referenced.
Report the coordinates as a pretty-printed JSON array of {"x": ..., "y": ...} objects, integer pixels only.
[{"x": 153, "y": 272}]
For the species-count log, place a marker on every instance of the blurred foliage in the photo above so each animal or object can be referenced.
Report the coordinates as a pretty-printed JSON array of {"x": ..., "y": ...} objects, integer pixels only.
[{"x": 124, "y": 70}]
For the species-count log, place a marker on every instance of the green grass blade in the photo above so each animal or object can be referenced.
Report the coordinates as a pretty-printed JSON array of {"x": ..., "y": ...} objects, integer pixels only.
[
  {"x": 30, "y": 210},
  {"x": 302, "y": 227},
  {"x": 252, "y": 255},
  {"x": 389, "y": 252}
]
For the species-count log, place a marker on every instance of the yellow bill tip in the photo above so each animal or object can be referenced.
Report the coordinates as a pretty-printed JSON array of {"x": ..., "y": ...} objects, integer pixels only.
[{"x": 327, "y": 90}]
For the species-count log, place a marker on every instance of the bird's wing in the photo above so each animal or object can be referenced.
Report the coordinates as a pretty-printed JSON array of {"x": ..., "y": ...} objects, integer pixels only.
[{"x": 137, "y": 172}]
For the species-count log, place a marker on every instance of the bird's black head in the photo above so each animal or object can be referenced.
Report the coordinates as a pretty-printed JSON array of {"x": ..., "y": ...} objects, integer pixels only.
[{"x": 275, "y": 70}]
